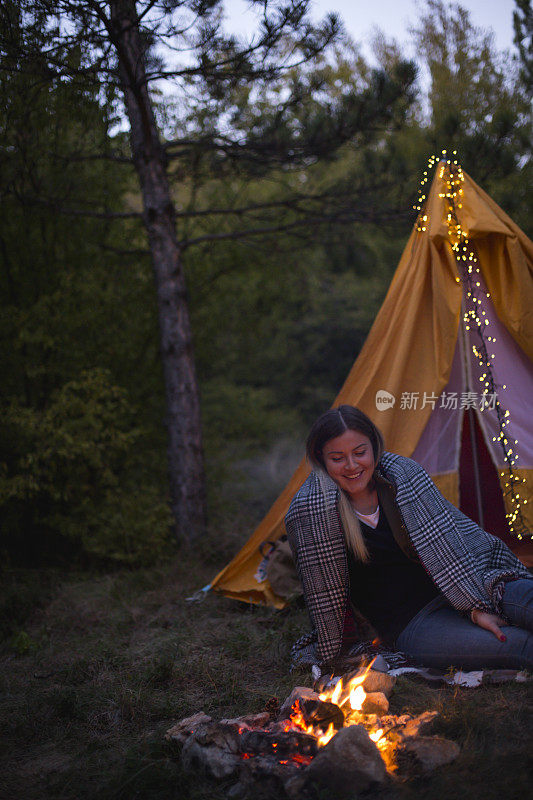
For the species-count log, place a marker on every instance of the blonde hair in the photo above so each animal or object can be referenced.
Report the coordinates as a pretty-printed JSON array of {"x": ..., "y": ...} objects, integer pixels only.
[{"x": 351, "y": 526}]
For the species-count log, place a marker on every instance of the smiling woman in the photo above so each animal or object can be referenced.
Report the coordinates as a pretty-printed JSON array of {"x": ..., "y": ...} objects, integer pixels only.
[
  {"x": 370, "y": 532},
  {"x": 349, "y": 460},
  {"x": 348, "y": 446}
]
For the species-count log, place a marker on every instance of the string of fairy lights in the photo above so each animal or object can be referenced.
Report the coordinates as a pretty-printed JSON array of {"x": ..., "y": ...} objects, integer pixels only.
[{"x": 475, "y": 319}]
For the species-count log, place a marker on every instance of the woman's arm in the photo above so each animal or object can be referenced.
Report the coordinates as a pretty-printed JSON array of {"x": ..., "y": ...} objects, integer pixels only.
[
  {"x": 317, "y": 542},
  {"x": 465, "y": 562}
]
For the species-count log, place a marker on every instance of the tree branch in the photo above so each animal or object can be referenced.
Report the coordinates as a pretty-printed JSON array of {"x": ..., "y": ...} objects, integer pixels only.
[
  {"x": 139, "y": 251},
  {"x": 92, "y": 157},
  {"x": 99, "y": 214},
  {"x": 75, "y": 212},
  {"x": 290, "y": 203},
  {"x": 316, "y": 222}
]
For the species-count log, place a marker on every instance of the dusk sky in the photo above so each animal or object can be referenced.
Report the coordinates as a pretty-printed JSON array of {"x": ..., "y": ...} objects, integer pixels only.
[{"x": 393, "y": 16}]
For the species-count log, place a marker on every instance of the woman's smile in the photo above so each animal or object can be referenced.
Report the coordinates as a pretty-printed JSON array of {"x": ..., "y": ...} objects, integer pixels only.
[{"x": 349, "y": 460}]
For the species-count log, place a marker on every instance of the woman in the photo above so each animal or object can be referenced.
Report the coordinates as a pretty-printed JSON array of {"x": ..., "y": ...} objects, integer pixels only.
[{"x": 369, "y": 530}]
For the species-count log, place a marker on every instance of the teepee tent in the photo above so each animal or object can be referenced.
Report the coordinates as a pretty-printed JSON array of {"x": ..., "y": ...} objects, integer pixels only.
[{"x": 446, "y": 372}]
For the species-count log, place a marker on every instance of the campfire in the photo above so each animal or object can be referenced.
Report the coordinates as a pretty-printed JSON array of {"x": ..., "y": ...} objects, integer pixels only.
[{"x": 339, "y": 736}]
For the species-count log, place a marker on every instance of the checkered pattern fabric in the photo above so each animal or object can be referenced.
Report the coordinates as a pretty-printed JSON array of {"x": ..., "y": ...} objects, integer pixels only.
[{"x": 466, "y": 563}]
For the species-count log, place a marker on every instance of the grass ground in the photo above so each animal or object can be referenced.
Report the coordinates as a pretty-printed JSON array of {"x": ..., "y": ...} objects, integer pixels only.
[{"x": 93, "y": 678}]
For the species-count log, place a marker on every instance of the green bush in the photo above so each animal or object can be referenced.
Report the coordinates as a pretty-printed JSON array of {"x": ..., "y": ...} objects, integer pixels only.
[{"x": 70, "y": 479}]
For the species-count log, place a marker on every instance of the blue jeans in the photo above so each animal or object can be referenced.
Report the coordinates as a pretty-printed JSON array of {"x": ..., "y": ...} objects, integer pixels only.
[{"x": 439, "y": 636}]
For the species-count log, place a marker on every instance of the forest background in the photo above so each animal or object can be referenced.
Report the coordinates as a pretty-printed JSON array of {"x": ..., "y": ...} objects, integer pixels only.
[{"x": 286, "y": 265}]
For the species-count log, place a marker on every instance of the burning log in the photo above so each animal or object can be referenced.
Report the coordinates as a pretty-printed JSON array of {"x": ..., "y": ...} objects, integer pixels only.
[
  {"x": 321, "y": 714},
  {"x": 280, "y": 744}
]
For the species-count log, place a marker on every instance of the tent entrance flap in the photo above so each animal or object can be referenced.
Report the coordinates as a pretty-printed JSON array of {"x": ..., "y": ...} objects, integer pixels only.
[{"x": 487, "y": 491}]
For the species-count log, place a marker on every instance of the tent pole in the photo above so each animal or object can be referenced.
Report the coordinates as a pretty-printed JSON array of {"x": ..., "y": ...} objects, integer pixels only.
[{"x": 471, "y": 416}]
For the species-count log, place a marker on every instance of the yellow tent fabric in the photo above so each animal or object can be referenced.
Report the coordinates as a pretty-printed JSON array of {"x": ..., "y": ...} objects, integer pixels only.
[{"x": 412, "y": 343}]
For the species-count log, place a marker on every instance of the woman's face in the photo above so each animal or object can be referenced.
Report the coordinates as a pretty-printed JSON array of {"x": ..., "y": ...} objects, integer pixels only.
[{"x": 349, "y": 460}]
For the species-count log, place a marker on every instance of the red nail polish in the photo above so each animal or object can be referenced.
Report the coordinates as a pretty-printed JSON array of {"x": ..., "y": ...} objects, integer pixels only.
[{"x": 503, "y": 638}]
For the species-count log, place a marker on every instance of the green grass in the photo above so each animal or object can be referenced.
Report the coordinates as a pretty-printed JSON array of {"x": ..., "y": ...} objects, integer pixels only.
[{"x": 95, "y": 669}]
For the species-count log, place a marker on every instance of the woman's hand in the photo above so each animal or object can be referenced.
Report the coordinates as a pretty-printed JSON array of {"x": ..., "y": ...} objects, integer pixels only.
[{"x": 489, "y": 621}]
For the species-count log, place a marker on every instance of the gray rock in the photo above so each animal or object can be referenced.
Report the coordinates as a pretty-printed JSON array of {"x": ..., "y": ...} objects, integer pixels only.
[
  {"x": 294, "y": 785},
  {"x": 380, "y": 664},
  {"x": 424, "y": 754},
  {"x": 379, "y": 682},
  {"x": 181, "y": 731},
  {"x": 216, "y": 762},
  {"x": 226, "y": 737},
  {"x": 237, "y": 792},
  {"x": 375, "y": 703},
  {"x": 349, "y": 763},
  {"x": 264, "y": 778}
]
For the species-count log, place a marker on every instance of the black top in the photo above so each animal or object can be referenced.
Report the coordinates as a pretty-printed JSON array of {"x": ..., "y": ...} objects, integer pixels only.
[{"x": 389, "y": 589}]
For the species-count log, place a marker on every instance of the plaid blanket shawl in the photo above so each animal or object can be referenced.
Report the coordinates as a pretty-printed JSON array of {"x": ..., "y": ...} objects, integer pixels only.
[{"x": 467, "y": 564}]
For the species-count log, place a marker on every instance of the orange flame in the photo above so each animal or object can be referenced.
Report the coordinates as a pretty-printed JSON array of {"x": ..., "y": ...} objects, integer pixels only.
[
  {"x": 324, "y": 738},
  {"x": 357, "y": 698},
  {"x": 352, "y": 693},
  {"x": 297, "y": 720},
  {"x": 376, "y": 736}
]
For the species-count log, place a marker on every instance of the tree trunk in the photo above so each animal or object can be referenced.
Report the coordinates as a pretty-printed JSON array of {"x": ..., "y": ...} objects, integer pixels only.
[{"x": 185, "y": 457}]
